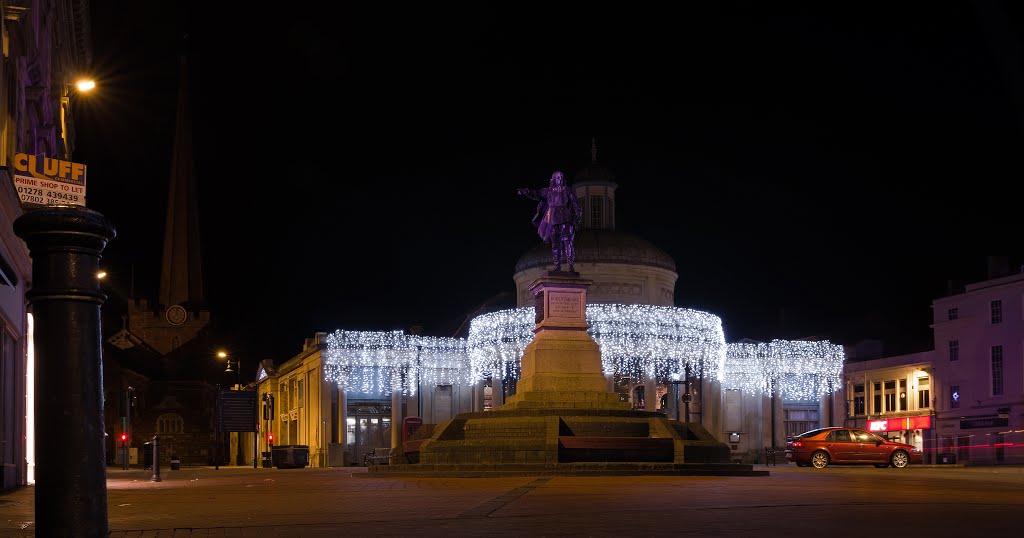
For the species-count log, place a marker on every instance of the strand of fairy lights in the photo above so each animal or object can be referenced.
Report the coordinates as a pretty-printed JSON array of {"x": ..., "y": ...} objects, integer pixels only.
[
  {"x": 374, "y": 362},
  {"x": 799, "y": 369},
  {"x": 640, "y": 341}
]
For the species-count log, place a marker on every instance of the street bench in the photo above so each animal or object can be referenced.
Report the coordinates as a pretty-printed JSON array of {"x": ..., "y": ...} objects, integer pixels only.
[
  {"x": 770, "y": 454},
  {"x": 379, "y": 456}
]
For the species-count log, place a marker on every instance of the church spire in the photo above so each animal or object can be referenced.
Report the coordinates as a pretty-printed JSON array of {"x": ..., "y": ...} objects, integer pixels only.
[{"x": 181, "y": 279}]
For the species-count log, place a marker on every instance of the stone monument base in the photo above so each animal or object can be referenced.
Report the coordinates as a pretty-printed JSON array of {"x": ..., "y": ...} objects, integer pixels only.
[
  {"x": 562, "y": 420},
  {"x": 528, "y": 442}
]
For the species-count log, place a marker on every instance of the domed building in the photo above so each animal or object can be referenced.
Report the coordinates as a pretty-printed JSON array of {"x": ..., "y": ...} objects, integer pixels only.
[{"x": 368, "y": 390}]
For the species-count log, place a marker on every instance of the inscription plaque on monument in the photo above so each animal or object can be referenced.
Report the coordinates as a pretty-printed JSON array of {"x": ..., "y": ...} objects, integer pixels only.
[{"x": 565, "y": 305}]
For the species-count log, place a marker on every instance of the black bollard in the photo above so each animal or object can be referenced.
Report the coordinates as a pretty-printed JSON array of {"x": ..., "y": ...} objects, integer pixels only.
[
  {"x": 156, "y": 459},
  {"x": 65, "y": 243}
]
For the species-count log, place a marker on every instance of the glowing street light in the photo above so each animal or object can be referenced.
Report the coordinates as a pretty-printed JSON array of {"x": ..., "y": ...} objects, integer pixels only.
[{"x": 85, "y": 85}]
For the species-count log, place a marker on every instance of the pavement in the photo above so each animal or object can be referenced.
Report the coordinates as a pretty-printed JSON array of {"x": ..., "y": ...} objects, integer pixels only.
[{"x": 943, "y": 500}]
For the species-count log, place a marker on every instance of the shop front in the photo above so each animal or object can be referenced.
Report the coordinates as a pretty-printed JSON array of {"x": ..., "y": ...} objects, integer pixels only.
[{"x": 913, "y": 430}]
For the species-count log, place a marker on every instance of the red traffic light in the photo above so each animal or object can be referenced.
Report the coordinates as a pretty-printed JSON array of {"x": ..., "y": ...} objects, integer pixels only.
[
  {"x": 124, "y": 437},
  {"x": 270, "y": 438}
]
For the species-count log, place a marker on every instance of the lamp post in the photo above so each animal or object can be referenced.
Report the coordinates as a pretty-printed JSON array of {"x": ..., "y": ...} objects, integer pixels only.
[{"x": 237, "y": 362}]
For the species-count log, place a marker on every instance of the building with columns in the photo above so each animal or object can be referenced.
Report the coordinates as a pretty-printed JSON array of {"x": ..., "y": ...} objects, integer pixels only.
[{"x": 348, "y": 392}]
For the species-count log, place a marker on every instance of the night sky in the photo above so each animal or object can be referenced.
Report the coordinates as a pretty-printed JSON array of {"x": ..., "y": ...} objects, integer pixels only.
[{"x": 815, "y": 172}]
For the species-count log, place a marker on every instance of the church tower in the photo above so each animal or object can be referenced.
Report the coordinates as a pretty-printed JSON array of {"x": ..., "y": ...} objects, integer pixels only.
[{"x": 180, "y": 312}]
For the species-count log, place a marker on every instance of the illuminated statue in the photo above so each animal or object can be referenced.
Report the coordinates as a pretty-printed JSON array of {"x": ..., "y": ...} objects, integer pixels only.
[{"x": 558, "y": 215}]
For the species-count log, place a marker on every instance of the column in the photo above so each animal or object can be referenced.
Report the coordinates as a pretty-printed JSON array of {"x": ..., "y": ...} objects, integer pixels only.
[
  {"x": 497, "y": 388},
  {"x": 396, "y": 417},
  {"x": 65, "y": 244},
  {"x": 650, "y": 394}
]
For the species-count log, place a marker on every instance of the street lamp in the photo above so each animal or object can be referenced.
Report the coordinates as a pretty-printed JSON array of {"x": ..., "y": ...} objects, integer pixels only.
[{"x": 237, "y": 362}]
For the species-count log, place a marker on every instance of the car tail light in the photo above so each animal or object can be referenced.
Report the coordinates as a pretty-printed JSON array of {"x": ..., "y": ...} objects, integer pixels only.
[{"x": 796, "y": 444}]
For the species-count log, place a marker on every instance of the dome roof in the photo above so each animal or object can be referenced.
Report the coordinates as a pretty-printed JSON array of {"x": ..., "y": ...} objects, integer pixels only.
[
  {"x": 603, "y": 246},
  {"x": 595, "y": 172}
]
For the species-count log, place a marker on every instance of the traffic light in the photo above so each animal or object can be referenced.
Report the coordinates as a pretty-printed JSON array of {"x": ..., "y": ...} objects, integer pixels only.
[
  {"x": 124, "y": 438},
  {"x": 270, "y": 438}
]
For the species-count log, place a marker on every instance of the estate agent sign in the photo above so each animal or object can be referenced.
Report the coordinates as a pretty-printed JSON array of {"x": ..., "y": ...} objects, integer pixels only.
[{"x": 43, "y": 181}]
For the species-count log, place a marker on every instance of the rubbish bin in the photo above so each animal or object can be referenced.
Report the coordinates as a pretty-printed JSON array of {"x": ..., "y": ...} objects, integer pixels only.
[
  {"x": 147, "y": 455},
  {"x": 290, "y": 456},
  {"x": 175, "y": 463},
  {"x": 266, "y": 460}
]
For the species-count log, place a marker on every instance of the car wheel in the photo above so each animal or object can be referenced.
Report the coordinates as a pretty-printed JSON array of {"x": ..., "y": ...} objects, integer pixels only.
[
  {"x": 819, "y": 460},
  {"x": 899, "y": 459},
  {"x": 881, "y": 465}
]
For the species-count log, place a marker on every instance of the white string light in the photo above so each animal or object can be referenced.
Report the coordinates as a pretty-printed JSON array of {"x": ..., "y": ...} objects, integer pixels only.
[
  {"x": 379, "y": 363},
  {"x": 800, "y": 369},
  {"x": 639, "y": 341}
]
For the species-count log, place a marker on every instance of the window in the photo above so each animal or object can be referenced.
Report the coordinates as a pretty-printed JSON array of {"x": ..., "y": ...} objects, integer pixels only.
[
  {"x": 858, "y": 400},
  {"x": 169, "y": 423},
  {"x": 953, "y": 313},
  {"x": 954, "y": 350},
  {"x": 924, "y": 397},
  {"x": 596, "y": 212},
  {"x": 954, "y": 396},
  {"x": 799, "y": 420},
  {"x": 838, "y": 436},
  {"x": 890, "y": 396},
  {"x": 997, "y": 311},
  {"x": 997, "y": 370}
]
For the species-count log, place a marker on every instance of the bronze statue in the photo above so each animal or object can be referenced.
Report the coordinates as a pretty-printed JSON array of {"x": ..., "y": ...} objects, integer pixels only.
[{"x": 558, "y": 215}]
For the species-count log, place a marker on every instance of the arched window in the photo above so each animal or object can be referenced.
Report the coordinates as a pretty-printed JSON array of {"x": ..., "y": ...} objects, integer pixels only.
[{"x": 170, "y": 423}]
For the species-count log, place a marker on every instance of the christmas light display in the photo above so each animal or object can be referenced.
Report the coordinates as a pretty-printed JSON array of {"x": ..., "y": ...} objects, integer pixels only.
[
  {"x": 378, "y": 363},
  {"x": 639, "y": 341},
  {"x": 799, "y": 369}
]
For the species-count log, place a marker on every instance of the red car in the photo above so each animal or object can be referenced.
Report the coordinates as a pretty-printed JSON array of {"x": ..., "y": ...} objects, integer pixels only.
[{"x": 844, "y": 446}]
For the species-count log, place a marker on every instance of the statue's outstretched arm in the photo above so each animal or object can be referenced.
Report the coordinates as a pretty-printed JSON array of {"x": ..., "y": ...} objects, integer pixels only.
[{"x": 533, "y": 194}]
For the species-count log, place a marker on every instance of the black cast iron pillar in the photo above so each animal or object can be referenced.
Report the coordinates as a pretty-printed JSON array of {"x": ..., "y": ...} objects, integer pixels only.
[{"x": 65, "y": 243}]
